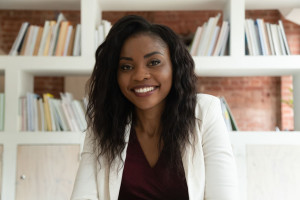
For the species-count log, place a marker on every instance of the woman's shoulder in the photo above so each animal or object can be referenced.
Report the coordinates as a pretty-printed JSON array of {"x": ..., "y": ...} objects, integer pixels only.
[{"x": 205, "y": 102}]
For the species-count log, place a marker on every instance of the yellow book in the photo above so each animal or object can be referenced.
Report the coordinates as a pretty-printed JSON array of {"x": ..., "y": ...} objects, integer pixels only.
[
  {"x": 38, "y": 41},
  {"x": 47, "y": 111},
  {"x": 62, "y": 38},
  {"x": 48, "y": 38}
]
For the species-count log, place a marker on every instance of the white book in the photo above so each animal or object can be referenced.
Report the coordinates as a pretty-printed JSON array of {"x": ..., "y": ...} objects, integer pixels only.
[
  {"x": 204, "y": 29},
  {"x": 207, "y": 35},
  {"x": 262, "y": 36},
  {"x": 44, "y": 36},
  {"x": 59, "y": 115},
  {"x": 43, "y": 120},
  {"x": 81, "y": 112},
  {"x": 286, "y": 45},
  {"x": 224, "y": 42},
  {"x": 77, "y": 42},
  {"x": 77, "y": 117},
  {"x": 68, "y": 38},
  {"x": 253, "y": 36},
  {"x": 270, "y": 38},
  {"x": 29, "y": 40},
  {"x": 211, "y": 34},
  {"x": 196, "y": 41},
  {"x": 33, "y": 41},
  {"x": 221, "y": 37},
  {"x": 213, "y": 41},
  {"x": 14, "y": 50},
  {"x": 275, "y": 38},
  {"x": 225, "y": 115},
  {"x": 248, "y": 38},
  {"x": 66, "y": 104},
  {"x": 54, "y": 34},
  {"x": 35, "y": 115},
  {"x": 2, "y": 111},
  {"x": 283, "y": 51}
]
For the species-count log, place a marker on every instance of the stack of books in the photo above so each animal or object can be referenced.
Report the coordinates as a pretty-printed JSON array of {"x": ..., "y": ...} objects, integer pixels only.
[
  {"x": 227, "y": 115},
  {"x": 50, "y": 114},
  {"x": 2, "y": 111},
  {"x": 210, "y": 39},
  {"x": 57, "y": 38},
  {"x": 265, "y": 39},
  {"x": 101, "y": 32}
]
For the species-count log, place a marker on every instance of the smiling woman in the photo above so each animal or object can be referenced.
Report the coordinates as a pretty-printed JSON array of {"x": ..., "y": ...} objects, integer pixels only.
[{"x": 150, "y": 136}]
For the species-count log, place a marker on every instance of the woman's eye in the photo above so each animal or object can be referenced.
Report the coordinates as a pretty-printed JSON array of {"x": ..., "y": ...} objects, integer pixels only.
[
  {"x": 154, "y": 62},
  {"x": 125, "y": 67}
]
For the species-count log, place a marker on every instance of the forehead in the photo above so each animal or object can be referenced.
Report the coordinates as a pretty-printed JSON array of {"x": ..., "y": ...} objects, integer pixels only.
[{"x": 143, "y": 43}]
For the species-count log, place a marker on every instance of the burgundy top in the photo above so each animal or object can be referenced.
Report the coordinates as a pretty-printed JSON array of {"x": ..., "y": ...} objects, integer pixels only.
[{"x": 141, "y": 181}]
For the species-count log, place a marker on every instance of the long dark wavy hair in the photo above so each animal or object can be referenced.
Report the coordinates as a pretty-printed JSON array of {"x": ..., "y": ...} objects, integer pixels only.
[{"x": 109, "y": 112}]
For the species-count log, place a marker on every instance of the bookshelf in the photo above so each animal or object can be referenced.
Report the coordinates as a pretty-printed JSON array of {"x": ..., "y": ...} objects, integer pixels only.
[{"x": 20, "y": 70}]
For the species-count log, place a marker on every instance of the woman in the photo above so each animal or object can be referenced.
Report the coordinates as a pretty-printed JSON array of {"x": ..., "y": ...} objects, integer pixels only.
[{"x": 150, "y": 136}]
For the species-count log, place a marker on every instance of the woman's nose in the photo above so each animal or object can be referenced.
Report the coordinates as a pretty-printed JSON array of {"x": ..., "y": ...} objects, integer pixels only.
[{"x": 141, "y": 73}]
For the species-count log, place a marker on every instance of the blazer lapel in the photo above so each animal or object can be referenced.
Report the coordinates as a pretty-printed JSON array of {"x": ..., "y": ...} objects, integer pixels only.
[
  {"x": 116, "y": 169},
  {"x": 193, "y": 164}
]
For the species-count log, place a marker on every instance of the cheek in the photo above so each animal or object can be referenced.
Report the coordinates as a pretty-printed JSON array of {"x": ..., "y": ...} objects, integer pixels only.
[{"x": 122, "y": 82}]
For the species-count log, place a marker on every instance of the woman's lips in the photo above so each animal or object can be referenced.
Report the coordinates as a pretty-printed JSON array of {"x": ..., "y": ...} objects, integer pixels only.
[{"x": 144, "y": 91}]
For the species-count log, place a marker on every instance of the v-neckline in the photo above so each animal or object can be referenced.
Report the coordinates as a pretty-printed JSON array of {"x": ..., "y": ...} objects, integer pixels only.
[{"x": 143, "y": 153}]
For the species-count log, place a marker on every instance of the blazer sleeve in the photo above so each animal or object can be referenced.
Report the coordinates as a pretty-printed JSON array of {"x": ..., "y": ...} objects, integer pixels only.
[
  {"x": 220, "y": 167},
  {"x": 85, "y": 187}
]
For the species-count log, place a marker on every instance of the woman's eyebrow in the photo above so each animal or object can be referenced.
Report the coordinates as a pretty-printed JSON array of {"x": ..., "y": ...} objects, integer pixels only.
[
  {"x": 152, "y": 53},
  {"x": 145, "y": 56}
]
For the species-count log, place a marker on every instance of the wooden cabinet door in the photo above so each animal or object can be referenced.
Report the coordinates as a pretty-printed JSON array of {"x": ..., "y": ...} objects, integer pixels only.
[{"x": 46, "y": 172}]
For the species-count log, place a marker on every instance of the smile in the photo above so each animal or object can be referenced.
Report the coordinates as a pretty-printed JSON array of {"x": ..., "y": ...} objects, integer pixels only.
[{"x": 144, "y": 90}]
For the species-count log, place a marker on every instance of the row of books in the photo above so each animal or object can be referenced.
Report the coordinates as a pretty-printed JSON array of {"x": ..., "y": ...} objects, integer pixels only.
[
  {"x": 47, "y": 113},
  {"x": 57, "y": 38},
  {"x": 210, "y": 39},
  {"x": 264, "y": 38},
  {"x": 2, "y": 100},
  {"x": 227, "y": 115},
  {"x": 101, "y": 32}
]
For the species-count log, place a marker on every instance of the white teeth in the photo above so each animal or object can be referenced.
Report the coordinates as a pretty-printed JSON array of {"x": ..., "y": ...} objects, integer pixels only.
[{"x": 144, "y": 90}]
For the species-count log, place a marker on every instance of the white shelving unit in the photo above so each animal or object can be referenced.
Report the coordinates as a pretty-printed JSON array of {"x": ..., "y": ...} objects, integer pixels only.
[{"x": 20, "y": 70}]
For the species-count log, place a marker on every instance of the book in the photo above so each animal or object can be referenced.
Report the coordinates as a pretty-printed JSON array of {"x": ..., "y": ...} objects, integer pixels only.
[
  {"x": 38, "y": 41},
  {"x": 48, "y": 38},
  {"x": 63, "y": 32},
  {"x": 2, "y": 103},
  {"x": 221, "y": 38},
  {"x": 270, "y": 38},
  {"x": 28, "y": 32},
  {"x": 68, "y": 40},
  {"x": 44, "y": 37},
  {"x": 71, "y": 43},
  {"x": 19, "y": 39},
  {"x": 282, "y": 32},
  {"x": 48, "y": 117},
  {"x": 196, "y": 41},
  {"x": 77, "y": 42},
  {"x": 54, "y": 34},
  {"x": 228, "y": 116}
]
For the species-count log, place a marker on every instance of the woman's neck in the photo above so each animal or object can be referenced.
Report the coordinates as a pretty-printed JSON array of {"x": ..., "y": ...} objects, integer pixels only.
[{"x": 148, "y": 121}]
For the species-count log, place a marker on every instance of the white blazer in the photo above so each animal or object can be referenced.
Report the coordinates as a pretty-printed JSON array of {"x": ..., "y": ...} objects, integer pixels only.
[{"x": 209, "y": 167}]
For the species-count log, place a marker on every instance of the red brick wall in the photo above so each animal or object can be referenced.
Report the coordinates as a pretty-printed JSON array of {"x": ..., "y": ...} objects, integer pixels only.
[{"x": 254, "y": 101}]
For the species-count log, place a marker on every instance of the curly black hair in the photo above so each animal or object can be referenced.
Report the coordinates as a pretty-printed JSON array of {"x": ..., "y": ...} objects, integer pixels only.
[{"x": 109, "y": 112}]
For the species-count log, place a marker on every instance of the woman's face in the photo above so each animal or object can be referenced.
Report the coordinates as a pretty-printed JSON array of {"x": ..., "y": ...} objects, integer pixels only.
[{"x": 145, "y": 71}]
